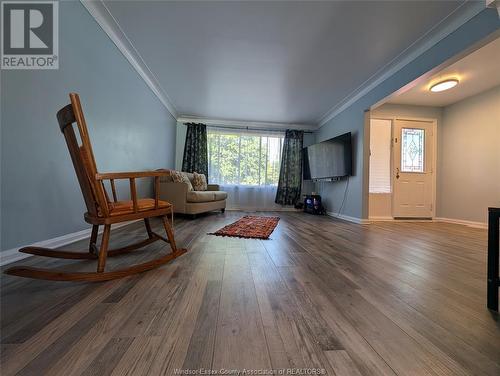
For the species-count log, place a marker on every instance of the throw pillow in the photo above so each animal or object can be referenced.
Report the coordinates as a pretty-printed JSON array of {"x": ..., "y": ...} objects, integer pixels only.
[
  {"x": 181, "y": 177},
  {"x": 199, "y": 182}
]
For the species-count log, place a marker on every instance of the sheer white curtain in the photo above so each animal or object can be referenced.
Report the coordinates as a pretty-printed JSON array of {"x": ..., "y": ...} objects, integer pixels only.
[
  {"x": 246, "y": 197},
  {"x": 246, "y": 164}
]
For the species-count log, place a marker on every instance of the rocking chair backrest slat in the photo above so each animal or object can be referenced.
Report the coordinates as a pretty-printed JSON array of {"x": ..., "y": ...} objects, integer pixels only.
[
  {"x": 83, "y": 157},
  {"x": 81, "y": 174}
]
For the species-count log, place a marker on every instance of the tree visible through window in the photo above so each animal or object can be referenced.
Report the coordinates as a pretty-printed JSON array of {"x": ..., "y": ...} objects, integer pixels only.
[{"x": 243, "y": 158}]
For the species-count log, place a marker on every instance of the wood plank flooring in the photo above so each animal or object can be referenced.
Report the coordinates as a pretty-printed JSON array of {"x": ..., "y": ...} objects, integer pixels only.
[{"x": 344, "y": 299}]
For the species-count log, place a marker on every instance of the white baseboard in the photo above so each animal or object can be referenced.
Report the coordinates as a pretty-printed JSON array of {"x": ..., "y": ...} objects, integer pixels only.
[
  {"x": 436, "y": 219},
  {"x": 381, "y": 219},
  {"x": 12, "y": 255},
  {"x": 462, "y": 222},
  {"x": 348, "y": 218},
  {"x": 401, "y": 220}
]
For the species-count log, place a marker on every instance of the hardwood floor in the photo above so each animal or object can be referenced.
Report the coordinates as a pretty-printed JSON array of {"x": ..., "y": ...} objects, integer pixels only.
[{"x": 379, "y": 299}]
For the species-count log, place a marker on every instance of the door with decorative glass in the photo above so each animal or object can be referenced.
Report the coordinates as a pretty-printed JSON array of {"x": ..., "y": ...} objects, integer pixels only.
[{"x": 413, "y": 182}]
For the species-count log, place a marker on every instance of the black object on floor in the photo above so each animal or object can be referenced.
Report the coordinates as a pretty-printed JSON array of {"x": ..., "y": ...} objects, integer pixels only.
[
  {"x": 312, "y": 204},
  {"x": 493, "y": 251}
]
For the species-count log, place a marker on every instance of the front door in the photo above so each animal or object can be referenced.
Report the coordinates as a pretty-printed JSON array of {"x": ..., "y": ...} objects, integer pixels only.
[{"x": 413, "y": 174}]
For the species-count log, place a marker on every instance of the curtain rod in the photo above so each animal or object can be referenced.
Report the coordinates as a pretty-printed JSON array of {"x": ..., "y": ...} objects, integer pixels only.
[{"x": 254, "y": 128}]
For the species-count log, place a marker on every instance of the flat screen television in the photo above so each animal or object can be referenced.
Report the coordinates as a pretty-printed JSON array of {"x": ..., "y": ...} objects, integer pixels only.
[{"x": 329, "y": 159}]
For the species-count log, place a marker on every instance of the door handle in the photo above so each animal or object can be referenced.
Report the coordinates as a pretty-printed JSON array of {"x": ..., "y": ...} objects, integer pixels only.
[{"x": 397, "y": 173}]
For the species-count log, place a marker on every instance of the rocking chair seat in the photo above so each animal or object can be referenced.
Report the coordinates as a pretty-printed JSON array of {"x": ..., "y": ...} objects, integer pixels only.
[{"x": 143, "y": 204}]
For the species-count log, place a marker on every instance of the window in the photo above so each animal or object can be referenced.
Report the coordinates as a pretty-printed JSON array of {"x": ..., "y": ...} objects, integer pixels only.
[
  {"x": 380, "y": 156},
  {"x": 412, "y": 150},
  {"x": 244, "y": 157}
]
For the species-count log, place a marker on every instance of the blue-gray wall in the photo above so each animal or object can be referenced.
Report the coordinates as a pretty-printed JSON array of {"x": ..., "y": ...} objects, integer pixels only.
[
  {"x": 469, "y": 159},
  {"x": 129, "y": 127},
  {"x": 352, "y": 118}
]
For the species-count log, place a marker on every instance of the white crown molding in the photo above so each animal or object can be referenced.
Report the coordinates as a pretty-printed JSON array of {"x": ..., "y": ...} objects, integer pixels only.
[
  {"x": 12, "y": 255},
  {"x": 245, "y": 124},
  {"x": 494, "y": 4},
  {"x": 452, "y": 22},
  {"x": 109, "y": 24}
]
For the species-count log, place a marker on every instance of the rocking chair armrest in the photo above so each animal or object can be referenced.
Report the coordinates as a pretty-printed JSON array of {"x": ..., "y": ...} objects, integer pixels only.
[{"x": 130, "y": 175}]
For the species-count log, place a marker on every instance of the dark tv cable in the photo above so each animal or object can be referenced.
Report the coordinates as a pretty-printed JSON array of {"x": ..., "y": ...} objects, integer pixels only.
[{"x": 345, "y": 197}]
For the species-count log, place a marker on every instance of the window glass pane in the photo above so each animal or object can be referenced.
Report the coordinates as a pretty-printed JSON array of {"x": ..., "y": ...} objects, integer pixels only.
[
  {"x": 213, "y": 157},
  {"x": 229, "y": 158},
  {"x": 264, "y": 156},
  {"x": 249, "y": 160},
  {"x": 273, "y": 160},
  {"x": 243, "y": 158},
  {"x": 412, "y": 150}
]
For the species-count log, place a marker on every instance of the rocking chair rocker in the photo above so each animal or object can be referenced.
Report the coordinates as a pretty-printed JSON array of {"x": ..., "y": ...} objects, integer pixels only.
[{"x": 102, "y": 211}]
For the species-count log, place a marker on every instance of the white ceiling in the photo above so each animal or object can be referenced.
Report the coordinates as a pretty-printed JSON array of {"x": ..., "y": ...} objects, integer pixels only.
[
  {"x": 285, "y": 62},
  {"x": 476, "y": 73}
]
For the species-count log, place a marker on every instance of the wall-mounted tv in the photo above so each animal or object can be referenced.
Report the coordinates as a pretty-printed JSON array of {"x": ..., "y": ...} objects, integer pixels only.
[{"x": 329, "y": 159}]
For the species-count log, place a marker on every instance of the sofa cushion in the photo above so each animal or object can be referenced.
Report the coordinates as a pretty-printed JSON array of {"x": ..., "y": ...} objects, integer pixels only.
[
  {"x": 181, "y": 177},
  {"x": 189, "y": 176},
  {"x": 219, "y": 195},
  {"x": 200, "y": 196},
  {"x": 205, "y": 196},
  {"x": 199, "y": 182}
]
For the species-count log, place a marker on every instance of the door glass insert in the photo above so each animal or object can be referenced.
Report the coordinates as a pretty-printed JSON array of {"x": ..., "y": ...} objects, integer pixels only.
[{"x": 412, "y": 150}]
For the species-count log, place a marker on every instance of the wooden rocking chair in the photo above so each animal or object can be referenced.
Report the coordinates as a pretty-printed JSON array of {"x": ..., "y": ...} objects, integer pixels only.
[{"x": 102, "y": 211}]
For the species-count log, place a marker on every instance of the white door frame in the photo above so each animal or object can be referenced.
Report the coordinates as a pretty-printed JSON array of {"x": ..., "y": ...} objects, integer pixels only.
[{"x": 434, "y": 152}]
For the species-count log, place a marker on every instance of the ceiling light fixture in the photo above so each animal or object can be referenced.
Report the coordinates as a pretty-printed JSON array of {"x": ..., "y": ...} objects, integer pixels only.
[{"x": 444, "y": 85}]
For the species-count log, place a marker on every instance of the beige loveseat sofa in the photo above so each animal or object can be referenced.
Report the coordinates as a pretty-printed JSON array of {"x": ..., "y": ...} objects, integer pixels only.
[{"x": 191, "y": 202}]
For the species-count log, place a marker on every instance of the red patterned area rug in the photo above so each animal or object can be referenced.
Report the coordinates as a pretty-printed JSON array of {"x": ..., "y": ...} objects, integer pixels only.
[{"x": 254, "y": 227}]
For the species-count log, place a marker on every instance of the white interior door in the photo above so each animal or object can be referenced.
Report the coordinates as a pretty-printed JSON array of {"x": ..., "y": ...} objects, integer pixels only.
[{"x": 413, "y": 175}]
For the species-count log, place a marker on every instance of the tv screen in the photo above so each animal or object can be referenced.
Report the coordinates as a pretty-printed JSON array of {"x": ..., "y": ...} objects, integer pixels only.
[{"x": 329, "y": 159}]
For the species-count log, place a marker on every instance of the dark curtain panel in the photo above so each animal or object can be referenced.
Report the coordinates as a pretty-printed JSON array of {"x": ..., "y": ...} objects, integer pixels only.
[
  {"x": 290, "y": 180},
  {"x": 195, "y": 157}
]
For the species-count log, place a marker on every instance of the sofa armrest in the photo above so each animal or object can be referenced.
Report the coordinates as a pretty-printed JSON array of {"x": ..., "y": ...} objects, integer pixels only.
[
  {"x": 213, "y": 187},
  {"x": 175, "y": 193}
]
